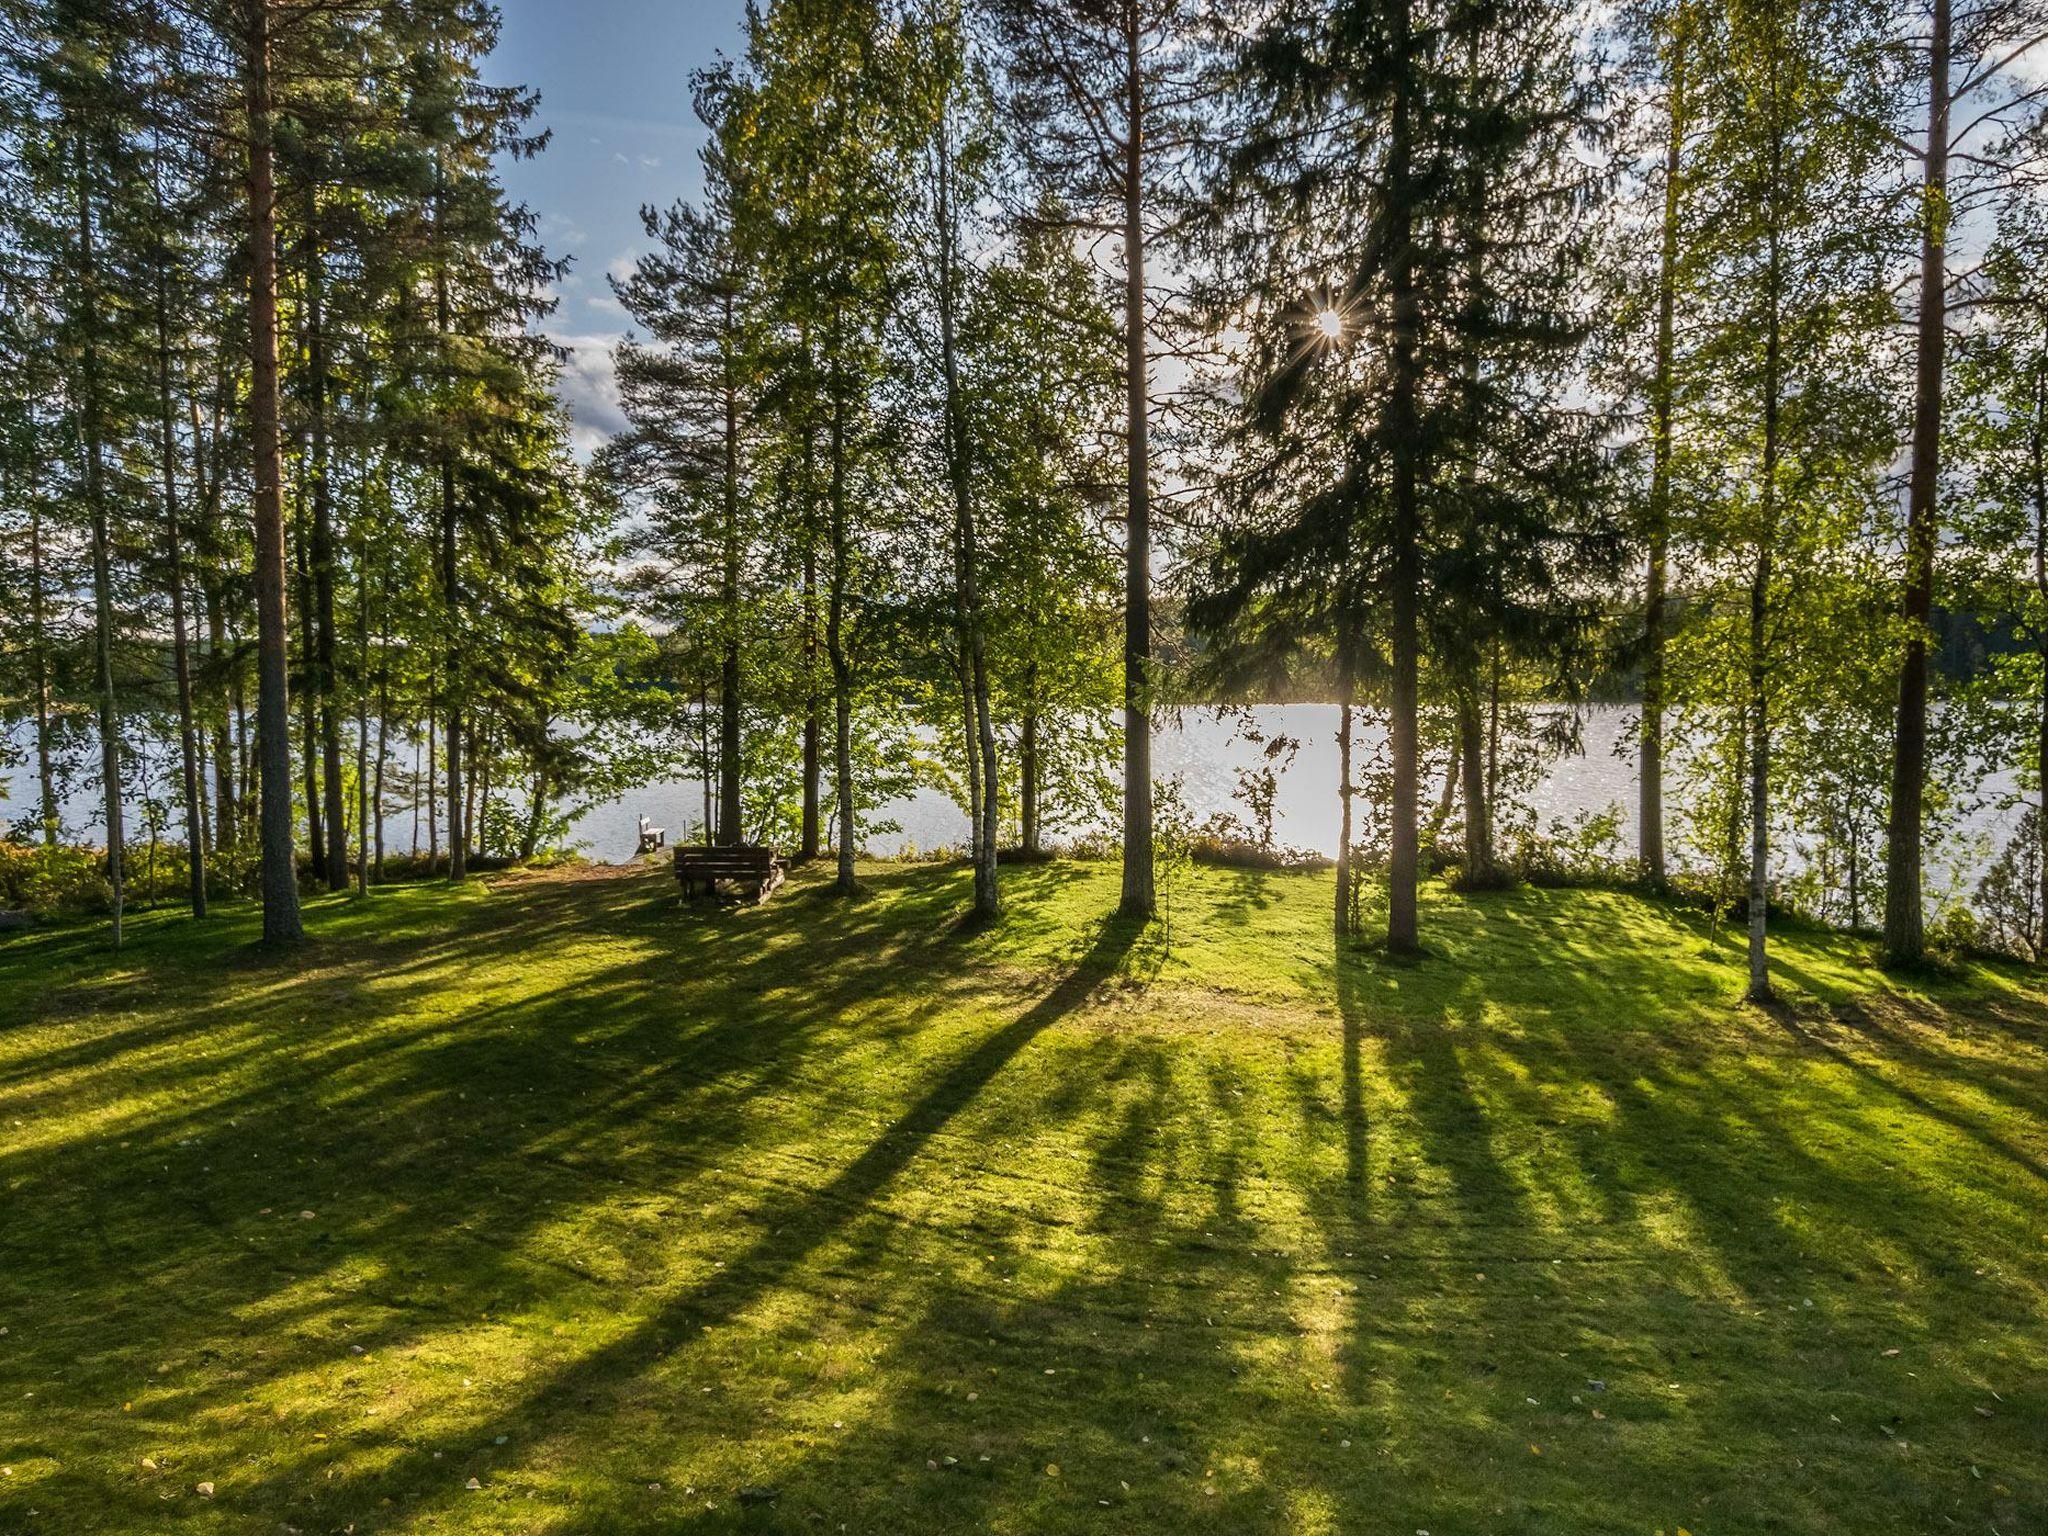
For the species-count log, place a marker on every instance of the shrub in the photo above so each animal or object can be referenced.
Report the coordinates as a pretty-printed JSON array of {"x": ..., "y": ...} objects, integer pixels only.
[{"x": 52, "y": 882}]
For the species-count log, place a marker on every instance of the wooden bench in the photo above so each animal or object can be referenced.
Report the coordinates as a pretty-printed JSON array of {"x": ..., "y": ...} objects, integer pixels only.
[
  {"x": 756, "y": 866},
  {"x": 652, "y": 837}
]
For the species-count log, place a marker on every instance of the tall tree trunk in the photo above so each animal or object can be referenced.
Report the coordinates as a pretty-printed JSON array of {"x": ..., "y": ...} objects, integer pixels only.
[
  {"x": 708, "y": 827},
  {"x": 451, "y": 611},
  {"x": 1760, "y": 583},
  {"x": 1139, "y": 898},
  {"x": 48, "y": 811},
  {"x": 983, "y": 774},
  {"x": 1479, "y": 865},
  {"x": 1404, "y": 422},
  {"x": 383, "y": 725},
  {"x": 332, "y": 860},
  {"x": 812, "y": 832},
  {"x": 92, "y": 426},
  {"x": 969, "y": 738},
  {"x": 1453, "y": 775},
  {"x": 362, "y": 870},
  {"x": 482, "y": 736},
  {"x": 223, "y": 665},
  {"x": 174, "y": 550},
  {"x": 433, "y": 771},
  {"x": 309, "y": 713},
  {"x": 273, "y": 703},
  {"x": 1650, "y": 807},
  {"x": 844, "y": 883},
  {"x": 226, "y": 812},
  {"x": 1905, "y": 939},
  {"x": 730, "y": 814},
  {"x": 458, "y": 825},
  {"x": 1493, "y": 686},
  {"x": 181, "y": 657},
  {"x": 536, "y": 809},
  {"x": 2037, "y": 446},
  {"x": 248, "y": 804},
  {"x": 1345, "y": 873}
]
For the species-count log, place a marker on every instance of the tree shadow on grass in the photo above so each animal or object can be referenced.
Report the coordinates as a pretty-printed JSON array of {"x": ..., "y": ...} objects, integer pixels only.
[
  {"x": 1614, "y": 1164},
  {"x": 832, "y": 1104},
  {"x": 404, "y": 1134},
  {"x": 563, "y": 1400}
]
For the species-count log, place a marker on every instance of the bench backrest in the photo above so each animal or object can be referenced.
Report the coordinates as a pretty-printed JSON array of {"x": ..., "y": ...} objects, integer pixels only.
[{"x": 734, "y": 859}]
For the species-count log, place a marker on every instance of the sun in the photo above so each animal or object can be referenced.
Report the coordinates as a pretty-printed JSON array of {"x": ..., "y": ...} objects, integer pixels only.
[{"x": 1329, "y": 325}]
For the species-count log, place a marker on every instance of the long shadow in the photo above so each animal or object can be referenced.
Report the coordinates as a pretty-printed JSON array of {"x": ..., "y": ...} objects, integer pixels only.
[
  {"x": 821, "y": 1214},
  {"x": 1789, "y": 1021},
  {"x": 644, "y": 1084},
  {"x": 609, "y": 1089}
]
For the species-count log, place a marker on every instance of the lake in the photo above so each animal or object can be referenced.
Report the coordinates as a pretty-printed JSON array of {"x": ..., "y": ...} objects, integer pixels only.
[{"x": 1204, "y": 749}]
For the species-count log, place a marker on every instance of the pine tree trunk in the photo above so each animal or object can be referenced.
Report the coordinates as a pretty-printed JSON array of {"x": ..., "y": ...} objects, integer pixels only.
[
  {"x": 458, "y": 824},
  {"x": 536, "y": 809},
  {"x": 383, "y": 725},
  {"x": 433, "y": 771},
  {"x": 92, "y": 428},
  {"x": 281, "y": 922},
  {"x": 1138, "y": 896},
  {"x": 1905, "y": 938},
  {"x": 1479, "y": 865},
  {"x": 451, "y": 607},
  {"x": 482, "y": 738},
  {"x": 1345, "y": 873},
  {"x": 249, "y": 799},
  {"x": 332, "y": 860},
  {"x": 309, "y": 715},
  {"x": 220, "y": 669},
  {"x": 226, "y": 812},
  {"x": 983, "y": 770},
  {"x": 362, "y": 869},
  {"x": 174, "y": 549},
  {"x": 181, "y": 659},
  {"x": 1403, "y": 857},
  {"x": 1454, "y": 773},
  {"x": 39, "y": 664},
  {"x": 708, "y": 828}
]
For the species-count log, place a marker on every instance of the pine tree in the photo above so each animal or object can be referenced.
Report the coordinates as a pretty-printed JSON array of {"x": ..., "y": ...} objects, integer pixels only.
[
  {"x": 1977, "y": 134},
  {"x": 1104, "y": 92},
  {"x": 690, "y": 392}
]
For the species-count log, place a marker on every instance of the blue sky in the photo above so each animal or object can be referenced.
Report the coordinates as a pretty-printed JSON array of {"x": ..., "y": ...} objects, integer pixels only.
[{"x": 615, "y": 88}]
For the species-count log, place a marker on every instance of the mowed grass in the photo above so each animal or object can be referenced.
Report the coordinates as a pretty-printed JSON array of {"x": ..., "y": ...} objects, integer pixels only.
[{"x": 841, "y": 1216}]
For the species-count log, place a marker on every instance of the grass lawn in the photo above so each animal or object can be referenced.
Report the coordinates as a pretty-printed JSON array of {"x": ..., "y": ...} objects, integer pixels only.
[{"x": 556, "y": 1207}]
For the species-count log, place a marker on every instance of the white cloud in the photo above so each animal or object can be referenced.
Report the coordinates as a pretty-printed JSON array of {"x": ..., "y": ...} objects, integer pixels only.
[
  {"x": 589, "y": 387},
  {"x": 558, "y": 231}
]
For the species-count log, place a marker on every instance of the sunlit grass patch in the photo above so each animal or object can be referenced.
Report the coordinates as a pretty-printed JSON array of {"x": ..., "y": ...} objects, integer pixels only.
[{"x": 620, "y": 1208}]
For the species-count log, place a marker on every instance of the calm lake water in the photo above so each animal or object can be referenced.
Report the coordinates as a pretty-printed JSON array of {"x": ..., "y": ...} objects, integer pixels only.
[{"x": 1204, "y": 750}]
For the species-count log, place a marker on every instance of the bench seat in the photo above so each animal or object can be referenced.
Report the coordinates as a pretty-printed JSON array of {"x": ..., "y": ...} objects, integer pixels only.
[{"x": 699, "y": 869}]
